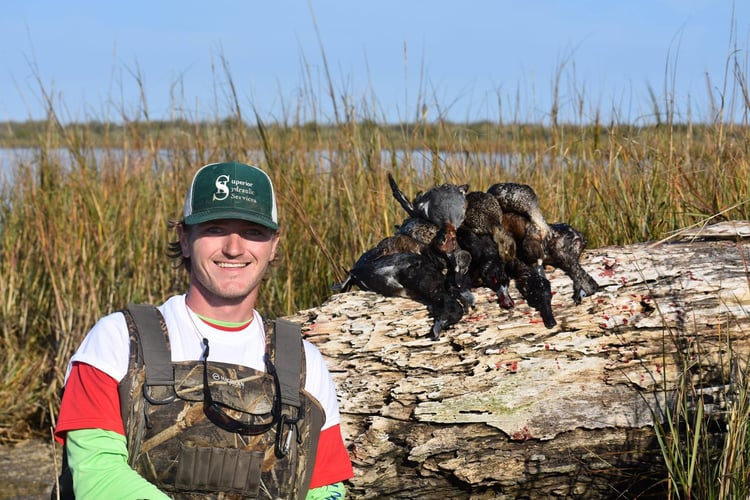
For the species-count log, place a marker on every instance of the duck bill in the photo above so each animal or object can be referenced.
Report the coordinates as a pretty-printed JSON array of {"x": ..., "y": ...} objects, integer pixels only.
[
  {"x": 548, "y": 318},
  {"x": 504, "y": 298},
  {"x": 437, "y": 328}
]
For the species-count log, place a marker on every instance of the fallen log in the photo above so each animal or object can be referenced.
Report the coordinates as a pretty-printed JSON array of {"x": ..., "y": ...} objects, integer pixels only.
[{"x": 500, "y": 406}]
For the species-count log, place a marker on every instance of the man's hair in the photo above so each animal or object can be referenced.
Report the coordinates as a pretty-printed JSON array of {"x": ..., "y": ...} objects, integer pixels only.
[{"x": 174, "y": 248}]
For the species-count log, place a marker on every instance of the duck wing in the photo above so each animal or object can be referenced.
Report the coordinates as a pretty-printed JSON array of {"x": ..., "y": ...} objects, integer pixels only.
[{"x": 401, "y": 197}]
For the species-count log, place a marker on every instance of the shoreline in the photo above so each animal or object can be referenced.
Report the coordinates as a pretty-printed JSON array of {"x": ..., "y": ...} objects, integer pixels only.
[{"x": 27, "y": 468}]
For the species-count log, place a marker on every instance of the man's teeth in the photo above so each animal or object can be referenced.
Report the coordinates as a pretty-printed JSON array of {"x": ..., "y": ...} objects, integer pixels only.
[{"x": 231, "y": 264}]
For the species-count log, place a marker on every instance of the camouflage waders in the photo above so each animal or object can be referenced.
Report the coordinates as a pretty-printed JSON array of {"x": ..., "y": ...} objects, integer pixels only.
[{"x": 171, "y": 442}]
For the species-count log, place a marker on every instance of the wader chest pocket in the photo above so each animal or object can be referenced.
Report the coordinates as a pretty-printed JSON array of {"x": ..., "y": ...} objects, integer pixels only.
[{"x": 219, "y": 469}]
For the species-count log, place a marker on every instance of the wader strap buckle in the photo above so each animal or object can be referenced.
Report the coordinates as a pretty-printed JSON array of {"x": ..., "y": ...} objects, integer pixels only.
[{"x": 291, "y": 426}]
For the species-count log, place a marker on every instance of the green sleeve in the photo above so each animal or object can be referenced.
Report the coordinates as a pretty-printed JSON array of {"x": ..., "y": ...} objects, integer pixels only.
[
  {"x": 98, "y": 460},
  {"x": 335, "y": 491}
]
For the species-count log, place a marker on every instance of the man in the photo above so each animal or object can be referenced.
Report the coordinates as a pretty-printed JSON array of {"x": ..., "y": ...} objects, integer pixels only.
[{"x": 227, "y": 240}]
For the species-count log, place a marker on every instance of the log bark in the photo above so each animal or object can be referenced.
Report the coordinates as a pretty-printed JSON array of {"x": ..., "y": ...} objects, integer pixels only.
[{"x": 500, "y": 406}]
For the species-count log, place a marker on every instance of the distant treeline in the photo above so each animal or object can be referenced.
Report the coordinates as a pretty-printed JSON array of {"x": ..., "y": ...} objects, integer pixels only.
[{"x": 441, "y": 135}]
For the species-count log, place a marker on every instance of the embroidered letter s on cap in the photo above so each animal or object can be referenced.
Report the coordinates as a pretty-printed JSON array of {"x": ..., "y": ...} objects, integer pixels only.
[{"x": 231, "y": 190}]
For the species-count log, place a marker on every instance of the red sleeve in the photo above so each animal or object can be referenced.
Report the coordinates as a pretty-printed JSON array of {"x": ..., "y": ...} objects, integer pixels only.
[
  {"x": 332, "y": 463},
  {"x": 90, "y": 401}
]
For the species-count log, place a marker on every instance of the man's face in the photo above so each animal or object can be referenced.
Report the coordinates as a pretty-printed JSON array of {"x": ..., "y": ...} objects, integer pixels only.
[{"x": 228, "y": 258}]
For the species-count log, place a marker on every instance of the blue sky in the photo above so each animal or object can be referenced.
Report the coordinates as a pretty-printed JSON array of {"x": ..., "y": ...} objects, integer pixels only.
[{"x": 466, "y": 61}]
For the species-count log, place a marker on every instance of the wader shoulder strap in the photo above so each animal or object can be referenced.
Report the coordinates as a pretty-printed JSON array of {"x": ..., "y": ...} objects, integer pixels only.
[
  {"x": 288, "y": 340},
  {"x": 151, "y": 340},
  {"x": 156, "y": 356},
  {"x": 158, "y": 361}
]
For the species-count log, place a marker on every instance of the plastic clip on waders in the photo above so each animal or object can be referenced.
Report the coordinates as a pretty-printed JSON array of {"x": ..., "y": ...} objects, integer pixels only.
[{"x": 282, "y": 445}]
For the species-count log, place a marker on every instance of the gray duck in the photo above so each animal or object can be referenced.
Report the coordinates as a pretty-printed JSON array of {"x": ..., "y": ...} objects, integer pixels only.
[{"x": 440, "y": 205}]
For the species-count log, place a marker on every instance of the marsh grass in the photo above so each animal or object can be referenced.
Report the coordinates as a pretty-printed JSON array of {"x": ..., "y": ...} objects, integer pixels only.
[
  {"x": 85, "y": 221},
  {"x": 702, "y": 430}
]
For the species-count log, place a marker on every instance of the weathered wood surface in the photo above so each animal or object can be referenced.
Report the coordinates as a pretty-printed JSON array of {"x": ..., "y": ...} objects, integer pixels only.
[{"x": 500, "y": 406}]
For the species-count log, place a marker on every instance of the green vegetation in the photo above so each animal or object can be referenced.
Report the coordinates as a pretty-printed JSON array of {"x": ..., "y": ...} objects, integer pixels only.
[{"x": 84, "y": 218}]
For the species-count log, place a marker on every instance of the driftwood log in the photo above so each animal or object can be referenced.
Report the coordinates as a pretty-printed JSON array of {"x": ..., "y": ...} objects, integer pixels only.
[{"x": 501, "y": 407}]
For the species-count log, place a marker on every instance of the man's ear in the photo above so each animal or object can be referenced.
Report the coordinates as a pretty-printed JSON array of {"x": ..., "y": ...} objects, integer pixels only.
[{"x": 276, "y": 239}]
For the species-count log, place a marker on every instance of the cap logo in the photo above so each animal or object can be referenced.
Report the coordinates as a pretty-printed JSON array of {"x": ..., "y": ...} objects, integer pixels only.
[
  {"x": 231, "y": 190},
  {"x": 222, "y": 191}
]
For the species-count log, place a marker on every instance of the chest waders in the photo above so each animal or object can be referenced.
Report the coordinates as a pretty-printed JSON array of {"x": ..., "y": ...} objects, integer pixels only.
[{"x": 174, "y": 445}]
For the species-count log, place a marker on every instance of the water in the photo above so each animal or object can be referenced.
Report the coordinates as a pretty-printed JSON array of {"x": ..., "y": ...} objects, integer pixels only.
[{"x": 422, "y": 160}]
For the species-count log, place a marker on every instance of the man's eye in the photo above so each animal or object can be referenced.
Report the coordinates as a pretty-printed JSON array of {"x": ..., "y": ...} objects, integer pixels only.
[{"x": 253, "y": 233}]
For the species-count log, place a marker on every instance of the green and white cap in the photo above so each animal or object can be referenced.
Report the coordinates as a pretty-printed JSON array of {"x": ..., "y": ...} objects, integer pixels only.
[{"x": 231, "y": 190}]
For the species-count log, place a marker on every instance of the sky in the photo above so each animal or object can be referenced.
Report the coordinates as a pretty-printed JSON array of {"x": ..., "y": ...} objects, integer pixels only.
[{"x": 387, "y": 60}]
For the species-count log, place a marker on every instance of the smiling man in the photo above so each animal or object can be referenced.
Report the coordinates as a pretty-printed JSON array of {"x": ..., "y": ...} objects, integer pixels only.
[{"x": 227, "y": 423}]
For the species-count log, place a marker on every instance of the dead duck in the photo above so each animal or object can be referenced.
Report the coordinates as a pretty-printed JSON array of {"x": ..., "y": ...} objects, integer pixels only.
[
  {"x": 440, "y": 205},
  {"x": 534, "y": 288},
  {"x": 485, "y": 216},
  {"x": 414, "y": 276},
  {"x": 435, "y": 242},
  {"x": 486, "y": 267},
  {"x": 442, "y": 250},
  {"x": 456, "y": 260},
  {"x": 564, "y": 250},
  {"x": 440, "y": 245},
  {"x": 522, "y": 199},
  {"x": 531, "y": 243},
  {"x": 423, "y": 230}
]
